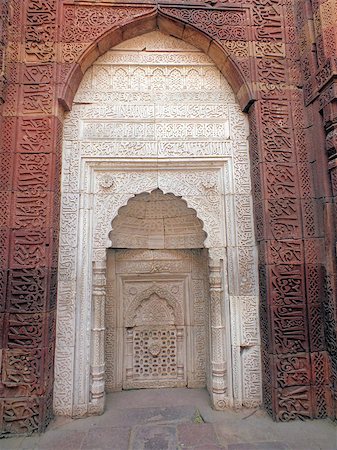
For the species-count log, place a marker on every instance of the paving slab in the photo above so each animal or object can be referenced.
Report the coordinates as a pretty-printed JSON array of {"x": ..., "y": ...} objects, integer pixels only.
[
  {"x": 176, "y": 419},
  {"x": 60, "y": 439},
  {"x": 259, "y": 446},
  {"x": 100, "y": 438},
  {"x": 154, "y": 437},
  {"x": 136, "y": 416},
  {"x": 196, "y": 434}
]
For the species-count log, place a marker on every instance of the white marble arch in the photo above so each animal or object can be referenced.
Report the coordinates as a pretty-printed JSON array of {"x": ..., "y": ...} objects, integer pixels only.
[{"x": 155, "y": 113}]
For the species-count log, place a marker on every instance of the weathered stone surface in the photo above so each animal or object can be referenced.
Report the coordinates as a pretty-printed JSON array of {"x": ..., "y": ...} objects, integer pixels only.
[{"x": 279, "y": 59}]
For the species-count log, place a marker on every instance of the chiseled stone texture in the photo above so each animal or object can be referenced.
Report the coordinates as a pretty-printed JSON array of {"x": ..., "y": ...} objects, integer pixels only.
[{"x": 279, "y": 59}]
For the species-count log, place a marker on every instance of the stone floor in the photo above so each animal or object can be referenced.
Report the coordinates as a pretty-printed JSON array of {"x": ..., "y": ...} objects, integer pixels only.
[{"x": 177, "y": 419}]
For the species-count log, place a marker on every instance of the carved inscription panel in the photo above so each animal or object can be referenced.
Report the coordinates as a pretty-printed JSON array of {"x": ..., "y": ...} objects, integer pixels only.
[{"x": 155, "y": 96}]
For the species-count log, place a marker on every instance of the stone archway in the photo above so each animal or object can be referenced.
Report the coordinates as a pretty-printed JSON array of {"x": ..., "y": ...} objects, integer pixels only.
[{"x": 145, "y": 118}]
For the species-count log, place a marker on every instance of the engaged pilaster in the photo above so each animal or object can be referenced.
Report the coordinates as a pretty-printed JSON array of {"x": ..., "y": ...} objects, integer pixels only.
[{"x": 218, "y": 358}]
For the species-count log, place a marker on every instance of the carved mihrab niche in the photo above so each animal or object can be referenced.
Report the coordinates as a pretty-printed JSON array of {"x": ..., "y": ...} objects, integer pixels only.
[{"x": 157, "y": 248}]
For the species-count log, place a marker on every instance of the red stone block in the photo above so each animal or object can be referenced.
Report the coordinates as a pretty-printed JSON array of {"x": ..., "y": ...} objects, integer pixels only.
[
  {"x": 37, "y": 134},
  {"x": 47, "y": 413},
  {"x": 305, "y": 182},
  {"x": 276, "y": 131},
  {"x": 265, "y": 329},
  {"x": 320, "y": 366},
  {"x": 24, "y": 331},
  {"x": 6, "y": 165},
  {"x": 56, "y": 210},
  {"x": 293, "y": 403},
  {"x": 107, "y": 41},
  {"x": 333, "y": 180},
  {"x": 263, "y": 284},
  {"x": 21, "y": 416},
  {"x": 170, "y": 26},
  {"x": 13, "y": 70},
  {"x": 33, "y": 172},
  {"x": 314, "y": 283},
  {"x": 263, "y": 253},
  {"x": 50, "y": 323},
  {"x": 49, "y": 366},
  {"x": 5, "y": 199},
  {"x": 69, "y": 77},
  {"x": 141, "y": 25},
  {"x": 3, "y": 289},
  {"x": 289, "y": 329},
  {"x": 268, "y": 367},
  {"x": 261, "y": 232},
  {"x": 329, "y": 36},
  {"x": 87, "y": 58},
  {"x": 312, "y": 218},
  {"x": 32, "y": 210},
  {"x": 283, "y": 219},
  {"x": 27, "y": 290},
  {"x": 287, "y": 252},
  {"x": 38, "y": 73},
  {"x": 316, "y": 327},
  {"x": 22, "y": 374},
  {"x": 322, "y": 401},
  {"x": 55, "y": 248},
  {"x": 52, "y": 289},
  {"x": 2, "y": 320},
  {"x": 30, "y": 248},
  {"x": 4, "y": 247},
  {"x": 286, "y": 285},
  {"x": 292, "y": 370},
  {"x": 37, "y": 99},
  {"x": 256, "y": 174},
  {"x": 314, "y": 251},
  {"x": 11, "y": 105},
  {"x": 280, "y": 180},
  {"x": 194, "y": 37}
]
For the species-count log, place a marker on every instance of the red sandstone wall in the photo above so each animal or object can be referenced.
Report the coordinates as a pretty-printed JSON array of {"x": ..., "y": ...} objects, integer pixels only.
[
  {"x": 28, "y": 225},
  {"x": 317, "y": 35},
  {"x": 266, "y": 50}
]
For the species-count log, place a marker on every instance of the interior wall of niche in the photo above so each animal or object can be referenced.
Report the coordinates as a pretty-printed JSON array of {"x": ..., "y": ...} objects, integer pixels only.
[
  {"x": 155, "y": 113},
  {"x": 157, "y": 305}
]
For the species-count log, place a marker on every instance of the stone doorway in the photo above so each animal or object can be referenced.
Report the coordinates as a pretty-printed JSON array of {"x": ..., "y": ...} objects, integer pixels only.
[{"x": 157, "y": 298}]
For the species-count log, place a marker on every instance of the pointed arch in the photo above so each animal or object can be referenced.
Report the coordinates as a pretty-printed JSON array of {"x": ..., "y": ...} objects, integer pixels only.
[{"x": 150, "y": 19}]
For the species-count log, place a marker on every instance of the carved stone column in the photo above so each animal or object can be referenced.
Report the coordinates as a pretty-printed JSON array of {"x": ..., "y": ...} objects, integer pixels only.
[
  {"x": 219, "y": 393},
  {"x": 180, "y": 353},
  {"x": 129, "y": 356},
  {"x": 97, "y": 369}
]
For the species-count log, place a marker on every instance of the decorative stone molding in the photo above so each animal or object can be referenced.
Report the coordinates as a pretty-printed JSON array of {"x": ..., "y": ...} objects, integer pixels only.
[
  {"x": 219, "y": 387},
  {"x": 97, "y": 385}
]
